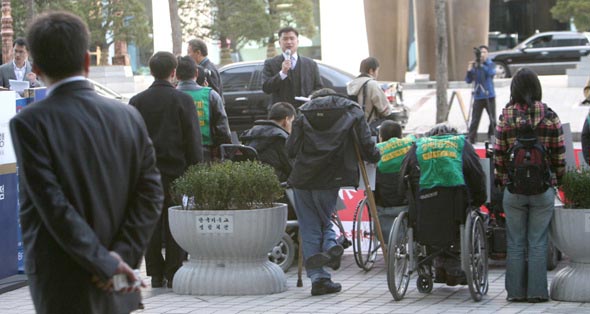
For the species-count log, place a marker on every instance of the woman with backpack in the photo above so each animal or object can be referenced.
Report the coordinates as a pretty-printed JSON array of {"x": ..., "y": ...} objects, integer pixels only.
[{"x": 529, "y": 156}]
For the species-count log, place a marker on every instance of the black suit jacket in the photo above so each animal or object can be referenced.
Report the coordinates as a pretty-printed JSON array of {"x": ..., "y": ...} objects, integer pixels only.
[
  {"x": 88, "y": 185},
  {"x": 279, "y": 88},
  {"x": 173, "y": 124}
]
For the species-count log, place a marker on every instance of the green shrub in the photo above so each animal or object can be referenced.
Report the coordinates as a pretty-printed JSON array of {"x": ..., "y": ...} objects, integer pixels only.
[
  {"x": 228, "y": 185},
  {"x": 576, "y": 188}
]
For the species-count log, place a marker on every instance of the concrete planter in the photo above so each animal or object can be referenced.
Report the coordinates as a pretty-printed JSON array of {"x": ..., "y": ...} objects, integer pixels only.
[
  {"x": 570, "y": 230},
  {"x": 228, "y": 251}
]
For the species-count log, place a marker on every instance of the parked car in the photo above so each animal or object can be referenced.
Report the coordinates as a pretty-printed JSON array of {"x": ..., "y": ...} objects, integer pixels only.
[
  {"x": 107, "y": 92},
  {"x": 245, "y": 102},
  {"x": 545, "y": 53}
]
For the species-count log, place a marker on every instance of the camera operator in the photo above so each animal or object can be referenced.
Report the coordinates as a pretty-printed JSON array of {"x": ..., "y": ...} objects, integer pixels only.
[{"x": 481, "y": 72}]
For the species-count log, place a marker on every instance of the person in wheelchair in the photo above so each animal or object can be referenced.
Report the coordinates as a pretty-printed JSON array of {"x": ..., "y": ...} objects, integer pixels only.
[
  {"x": 393, "y": 148},
  {"x": 323, "y": 143},
  {"x": 268, "y": 137},
  {"x": 445, "y": 180}
]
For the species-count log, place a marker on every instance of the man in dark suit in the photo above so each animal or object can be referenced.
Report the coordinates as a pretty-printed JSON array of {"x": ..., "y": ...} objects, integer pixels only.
[
  {"x": 19, "y": 68},
  {"x": 290, "y": 75},
  {"x": 90, "y": 192},
  {"x": 172, "y": 122},
  {"x": 197, "y": 49}
]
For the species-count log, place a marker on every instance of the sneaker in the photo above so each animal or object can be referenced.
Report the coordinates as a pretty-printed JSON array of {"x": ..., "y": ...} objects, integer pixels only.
[
  {"x": 440, "y": 275},
  {"x": 335, "y": 253},
  {"x": 317, "y": 260},
  {"x": 325, "y": 286}
]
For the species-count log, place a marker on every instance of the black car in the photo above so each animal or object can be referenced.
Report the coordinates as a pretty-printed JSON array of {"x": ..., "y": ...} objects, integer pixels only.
[
  {"x": 545, "y": 53},
  {"x": 244, "y": 99}
]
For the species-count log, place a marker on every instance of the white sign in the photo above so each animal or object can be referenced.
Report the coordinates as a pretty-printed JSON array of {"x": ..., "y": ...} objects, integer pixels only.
[
  {"x": 215, "y": 224},
  {"x": 7, "y": 111}
]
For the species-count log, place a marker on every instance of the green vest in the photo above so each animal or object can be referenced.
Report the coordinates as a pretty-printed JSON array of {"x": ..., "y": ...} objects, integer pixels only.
[
  {"x": 440, "y": 160},
  {"x": 393, "y": 152},
  {"x": 201, "y": 99}
]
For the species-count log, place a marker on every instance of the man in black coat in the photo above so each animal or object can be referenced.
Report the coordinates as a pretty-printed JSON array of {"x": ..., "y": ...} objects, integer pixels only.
[
  {"x": 323, "y": 145},
  {"x": 290, "y": 75},
  {"x": 268, "y": 137},
  {"x": 172, "y": 122},
  {"x": 90, "y": 192},
  {"x": 197, "y": 50}
]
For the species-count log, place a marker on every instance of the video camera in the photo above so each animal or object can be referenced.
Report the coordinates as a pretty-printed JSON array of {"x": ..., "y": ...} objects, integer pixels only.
[{"x": 477, "y": 53}]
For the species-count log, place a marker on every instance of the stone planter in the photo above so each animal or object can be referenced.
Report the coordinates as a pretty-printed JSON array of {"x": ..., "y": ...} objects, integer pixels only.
[
  {"x": 570, "y": 230},
  {"x": 228, "y": 251}
]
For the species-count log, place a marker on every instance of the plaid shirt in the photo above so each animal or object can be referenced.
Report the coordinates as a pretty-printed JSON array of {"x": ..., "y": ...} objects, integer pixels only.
[{"x": 549, "y": 133}]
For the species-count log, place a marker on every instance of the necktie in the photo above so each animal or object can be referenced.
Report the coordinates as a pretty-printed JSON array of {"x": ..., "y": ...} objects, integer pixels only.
[{"x": 293, "y": 62}]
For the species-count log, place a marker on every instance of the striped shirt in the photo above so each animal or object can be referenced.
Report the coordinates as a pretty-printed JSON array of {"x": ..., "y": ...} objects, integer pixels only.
[{"x": 547, "y": 128}]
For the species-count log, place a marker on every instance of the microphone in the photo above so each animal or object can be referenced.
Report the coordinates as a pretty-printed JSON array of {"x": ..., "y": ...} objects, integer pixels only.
[{"x": 288, "y": 53}]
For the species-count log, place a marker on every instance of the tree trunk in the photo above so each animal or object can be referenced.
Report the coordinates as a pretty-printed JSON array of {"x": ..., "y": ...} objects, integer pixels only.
[
  {"x": 442, "y": 71},
  {"x": 176, "y": 28},
  {"x": 7, "y": 31},
  {"x": 30, "y": 7},
  {"x": 104, "y": 53},
  {"x": 271, "y": 51}
]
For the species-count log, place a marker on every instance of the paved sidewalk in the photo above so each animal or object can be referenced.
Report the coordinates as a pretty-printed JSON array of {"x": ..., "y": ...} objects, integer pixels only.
[{"x": 363, "y": 292}]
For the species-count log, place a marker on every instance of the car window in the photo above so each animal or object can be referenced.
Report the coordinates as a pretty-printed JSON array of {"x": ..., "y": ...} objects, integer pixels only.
[
  {"x": 540, "y": 42},
  {"x": 257, "y": 79},
  {"x": 568, "y": 42},
  {"x": 333, "y": 77},
  {"x": 237, "y": 79}
]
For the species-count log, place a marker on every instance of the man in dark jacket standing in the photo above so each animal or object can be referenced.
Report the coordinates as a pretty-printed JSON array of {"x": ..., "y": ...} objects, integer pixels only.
[
  {"x": 173, "y": 125},
  {"x": 323, "y": 145},
  {"x": 197, "y": 50},
  {"x": 289, "y": 74},
  {"x": 268, "y": 137},
  {"x": 90, "y": 192}
]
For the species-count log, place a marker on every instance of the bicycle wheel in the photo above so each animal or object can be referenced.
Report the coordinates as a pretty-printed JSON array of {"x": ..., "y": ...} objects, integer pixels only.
[
  {"x": 398, "y": 268},
  {"x": 365, "y": 240}
]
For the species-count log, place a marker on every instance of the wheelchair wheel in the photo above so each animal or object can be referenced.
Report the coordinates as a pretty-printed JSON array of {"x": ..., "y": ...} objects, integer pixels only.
[
  {"x": 283, "y": 254},
  {"x": 475, "y": 257},
  {"x": 365, "y": 242},
  {"x": 398, "y": 268},
  {"x": 424, "y": 284}
]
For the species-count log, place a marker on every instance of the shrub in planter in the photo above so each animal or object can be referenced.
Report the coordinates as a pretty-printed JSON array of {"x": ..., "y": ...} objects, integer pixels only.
[
  {"x": 576, "y": 189},
  {"x": 228, "y": 186}
]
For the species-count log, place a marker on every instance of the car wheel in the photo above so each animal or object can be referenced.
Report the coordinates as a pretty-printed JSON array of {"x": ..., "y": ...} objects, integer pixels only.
[{"x": 502, "y": 70}]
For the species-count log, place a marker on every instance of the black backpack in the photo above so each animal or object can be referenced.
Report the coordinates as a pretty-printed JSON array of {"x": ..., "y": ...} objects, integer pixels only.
[
  {"x": 355, "y": 97},
  {"x": 528, "y": 167}
]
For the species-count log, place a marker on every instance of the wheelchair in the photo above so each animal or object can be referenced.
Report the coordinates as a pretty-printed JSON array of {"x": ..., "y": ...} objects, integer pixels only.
[
  {"x": 287, "y": 249},
  {"x": 428, "y": 230}
]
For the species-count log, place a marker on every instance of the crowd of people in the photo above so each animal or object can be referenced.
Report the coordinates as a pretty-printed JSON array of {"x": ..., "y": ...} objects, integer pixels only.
[{"x": 95, "y": 216}]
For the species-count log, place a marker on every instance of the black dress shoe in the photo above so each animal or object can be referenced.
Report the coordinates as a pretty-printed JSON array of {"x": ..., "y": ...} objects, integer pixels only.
[
  {"x": 335, "y": 254},
  {"x": 325, "y": 286},
  {"x": 537, "y": 300},
  {"x": 158, "y": 282}
]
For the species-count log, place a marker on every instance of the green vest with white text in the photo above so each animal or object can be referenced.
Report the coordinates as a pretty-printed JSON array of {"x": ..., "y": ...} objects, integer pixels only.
[
  {"x": 440, "y": 160},
  {"x": 201, "y": 99}
]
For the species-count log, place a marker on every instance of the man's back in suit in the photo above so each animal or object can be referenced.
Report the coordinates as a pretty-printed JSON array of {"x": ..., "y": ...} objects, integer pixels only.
[{"x": 90, "y": 191}]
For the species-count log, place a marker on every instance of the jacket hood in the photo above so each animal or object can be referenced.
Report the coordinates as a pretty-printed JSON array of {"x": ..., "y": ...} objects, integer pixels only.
[
  {"x": 513, "y": 113},
  {"x": 264, "y": 133},
  {"x": 354, "y": 87}
]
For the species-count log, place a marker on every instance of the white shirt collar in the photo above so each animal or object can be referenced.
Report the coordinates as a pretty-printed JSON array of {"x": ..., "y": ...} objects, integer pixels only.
[{"x": 55, "y": 85}]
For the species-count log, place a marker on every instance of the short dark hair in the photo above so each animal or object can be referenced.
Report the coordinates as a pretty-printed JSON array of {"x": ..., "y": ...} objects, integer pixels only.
[
  {"x": 58, "y": 43},
  {"x": 186, "y": 68},
  {"x": 203, "y": 74},
  {"x": 389, "y": 129},
  {"x": 288, "y": 29},
  {"x": 280, "y": 111},
  {"x": 21, "y": 42},
  {"x": 525, "y": 87},
  {"x": 370, "y": 63},
  {"x": 162, "y": 63},
  {"x": 200, "y": 45},
  {"x": 441, "y": 129},
  {"x": 484, "y": 47}
]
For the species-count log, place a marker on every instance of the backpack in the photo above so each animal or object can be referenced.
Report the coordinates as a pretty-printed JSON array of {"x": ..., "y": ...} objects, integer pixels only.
[
  {"x": 355, "y": 97},
  {"x": 528, "y": 169}
]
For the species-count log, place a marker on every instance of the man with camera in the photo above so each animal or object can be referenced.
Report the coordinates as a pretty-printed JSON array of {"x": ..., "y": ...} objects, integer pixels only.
[{"x": 481, "y": 72}]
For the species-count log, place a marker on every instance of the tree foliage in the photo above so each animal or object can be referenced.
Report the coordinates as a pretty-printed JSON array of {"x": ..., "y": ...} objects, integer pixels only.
[
  {"x": 107, "y": 20},
  {"x": 579, "y": 10}
]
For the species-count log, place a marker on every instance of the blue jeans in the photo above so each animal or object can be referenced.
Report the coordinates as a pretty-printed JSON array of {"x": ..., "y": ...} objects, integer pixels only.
[
  {"x": 527, "y": 225},
  {"x": 314, "y": 209}
]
